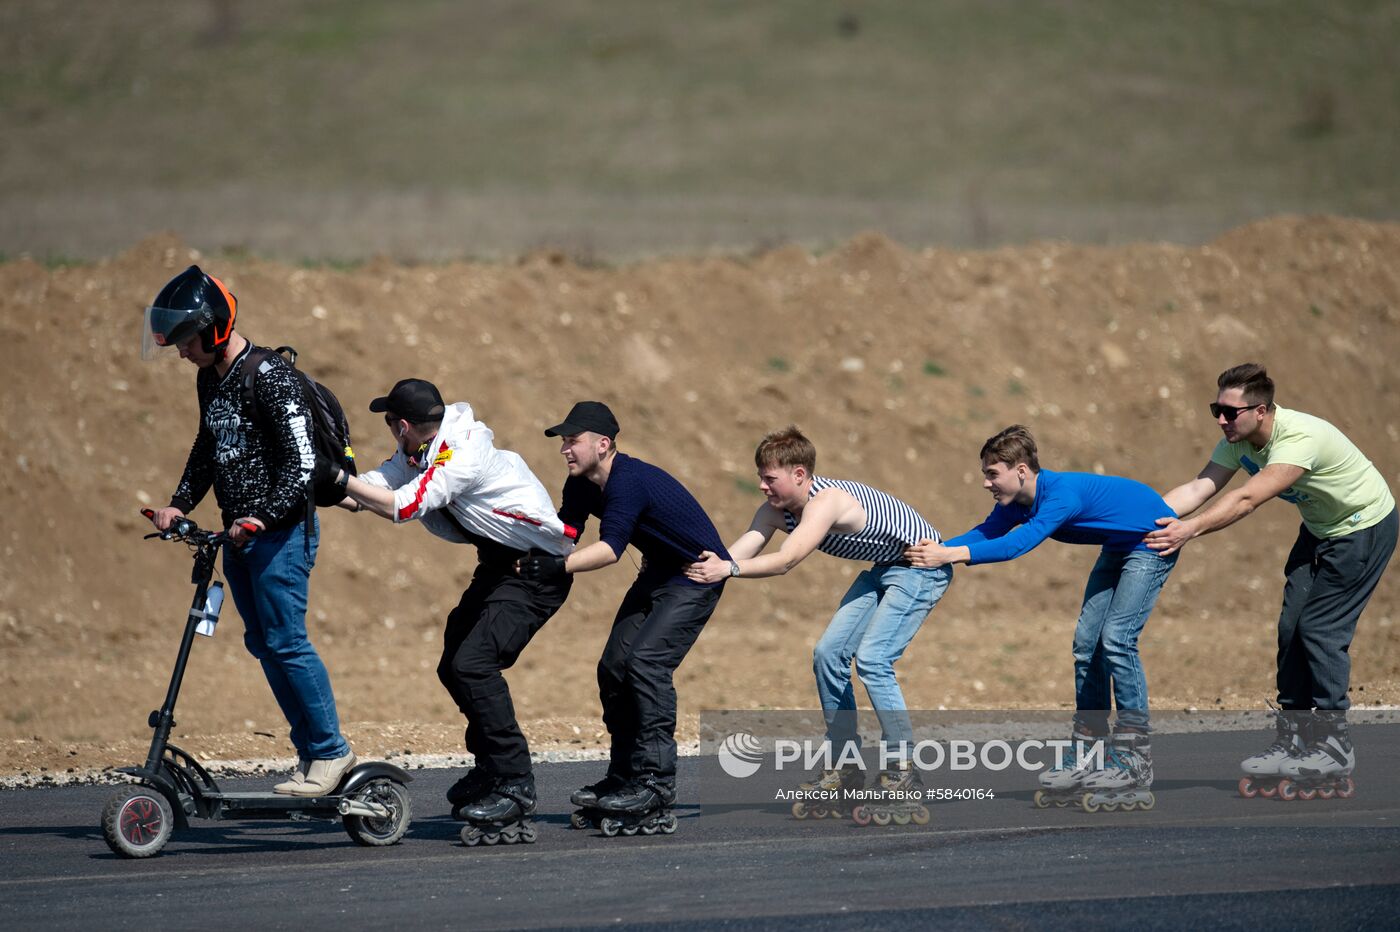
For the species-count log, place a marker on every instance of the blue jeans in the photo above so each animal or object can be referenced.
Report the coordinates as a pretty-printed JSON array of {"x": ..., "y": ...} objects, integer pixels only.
[
  {"x": 878, "y": 617},
  {"x": 1119, "y": 596},
  {"x": 268, "y": 578}
]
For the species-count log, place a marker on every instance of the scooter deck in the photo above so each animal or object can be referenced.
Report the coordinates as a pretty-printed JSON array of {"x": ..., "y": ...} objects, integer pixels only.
[{"x": 270, "y": 805}]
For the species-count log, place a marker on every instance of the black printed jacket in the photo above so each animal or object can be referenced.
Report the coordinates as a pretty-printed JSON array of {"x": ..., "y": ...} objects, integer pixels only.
[{"x": 258, "y": 456}]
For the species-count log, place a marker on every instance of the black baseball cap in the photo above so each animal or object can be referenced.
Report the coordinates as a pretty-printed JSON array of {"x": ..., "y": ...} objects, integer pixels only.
[
  {"x": 414, "y": 400},
  {"x": 586, "y": 415}
]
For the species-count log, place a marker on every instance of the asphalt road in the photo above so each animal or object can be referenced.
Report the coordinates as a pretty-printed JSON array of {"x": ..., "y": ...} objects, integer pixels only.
[{"x": 1202, "y": 857}]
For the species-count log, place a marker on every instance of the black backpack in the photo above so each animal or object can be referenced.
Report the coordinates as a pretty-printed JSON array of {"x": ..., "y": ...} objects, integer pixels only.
[{"x": 330, "y": 431}]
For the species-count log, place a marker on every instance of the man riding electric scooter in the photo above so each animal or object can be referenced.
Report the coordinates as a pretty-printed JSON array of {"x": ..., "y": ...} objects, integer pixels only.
[{"x": 256, "y": 453}]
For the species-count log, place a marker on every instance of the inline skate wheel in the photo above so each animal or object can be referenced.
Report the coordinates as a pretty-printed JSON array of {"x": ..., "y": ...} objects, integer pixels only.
[
  {"x": 610, "y": 827},
  {"x": 901, "y": 818},
  {"x": 1326, "y": 792},
  {"x": 629, "y": 830},
  {"x": 1288, "y": 790},
  {"x": 1307, "y": 794},
  {"x": 1148, "y": 803},
  {"x": 881, "y": 818},
  {"x": 668, "y": 825},
  {"x": 920, "y": 816},
  {"x": 1087, "y": 803},
  {"x": 1268, "y": 792},
  {"x": 799, "y": 810},
  {"x": 648, "y": 829},
  {"x": 1347, "y": 788},
  {"x": 860, "y": 815},
  {"x": 579, "y": 820},
  {"x": 470, "y": 838},
  {"x": 1247, "y": 788},
  {"x": 528, "y": 834}
]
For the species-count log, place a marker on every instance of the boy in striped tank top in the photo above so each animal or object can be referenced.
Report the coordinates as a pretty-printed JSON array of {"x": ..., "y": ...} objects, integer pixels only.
[{"x": 880, "y": 613}]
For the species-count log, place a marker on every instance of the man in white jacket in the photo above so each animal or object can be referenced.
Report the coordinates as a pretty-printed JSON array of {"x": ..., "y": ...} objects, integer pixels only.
[{"x": 447, "y": 473}]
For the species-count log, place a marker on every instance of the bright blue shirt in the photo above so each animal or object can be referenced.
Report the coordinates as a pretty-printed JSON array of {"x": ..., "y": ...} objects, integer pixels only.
[{"x": 1073, "y": 508}]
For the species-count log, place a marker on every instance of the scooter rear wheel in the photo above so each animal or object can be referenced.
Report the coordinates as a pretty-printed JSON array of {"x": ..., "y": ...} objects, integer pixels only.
[
  {"x": 137, "y": 822},
  {"x": 378, "y": 832}
]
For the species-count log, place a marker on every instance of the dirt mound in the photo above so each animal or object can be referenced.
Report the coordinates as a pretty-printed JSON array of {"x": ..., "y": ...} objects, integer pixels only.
[{"x": 897, "y": 363}]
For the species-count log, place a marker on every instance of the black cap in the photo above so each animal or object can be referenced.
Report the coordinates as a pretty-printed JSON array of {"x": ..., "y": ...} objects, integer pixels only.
[
  {"x": 586, "y": 415},
  {"x": 414, "y": 400}
]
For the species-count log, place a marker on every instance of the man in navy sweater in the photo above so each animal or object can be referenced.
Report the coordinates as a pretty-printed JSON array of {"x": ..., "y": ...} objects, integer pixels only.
[
  {"x": 659, "y": 619},
  {"x": 1079, "y": 508}
]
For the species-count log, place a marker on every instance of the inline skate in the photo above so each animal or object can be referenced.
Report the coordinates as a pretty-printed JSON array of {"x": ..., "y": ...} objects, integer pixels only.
[
  {"x": 642, "y": 805},
  {"x": 1323, "y": 771},
  {"x": 470, "y": 788},
  {"x": 1125, "y": 782},
  {"x": 827, "y": 794},
  {"x": 1263, "y": 773},
  {"x": 588, "y": 815},
  {"x": 502, "y": 816},
  {"x": 896, "y": 796},
  {"x": 1062, "y": 786}
]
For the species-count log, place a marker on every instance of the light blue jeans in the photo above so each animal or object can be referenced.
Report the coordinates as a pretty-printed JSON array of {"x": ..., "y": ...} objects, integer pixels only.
[
  {"x": 268, "y": 578},
  {"x": 1120, "y": 594},
  {"x": 878, "y": 617}
]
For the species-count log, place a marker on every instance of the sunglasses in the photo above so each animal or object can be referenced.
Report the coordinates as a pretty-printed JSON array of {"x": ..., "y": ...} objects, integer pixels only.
[{"x": 1230, "y": 411}]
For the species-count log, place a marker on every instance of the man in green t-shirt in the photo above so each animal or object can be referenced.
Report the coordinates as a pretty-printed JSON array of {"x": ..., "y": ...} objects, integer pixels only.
[{"x": 1346, "y": 539}]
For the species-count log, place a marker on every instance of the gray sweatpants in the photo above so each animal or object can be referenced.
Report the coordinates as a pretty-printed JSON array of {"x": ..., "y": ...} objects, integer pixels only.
[{"x": 1328, "y": 583}]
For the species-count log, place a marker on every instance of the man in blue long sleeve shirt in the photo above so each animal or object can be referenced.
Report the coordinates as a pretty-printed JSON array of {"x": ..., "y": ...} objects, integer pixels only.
[
  {"x": 660, "y": 618},
  {"x": 1079, "y": 508}
]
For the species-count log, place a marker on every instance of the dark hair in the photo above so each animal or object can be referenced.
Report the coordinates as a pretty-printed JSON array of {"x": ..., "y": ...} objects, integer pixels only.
[
  {"x": 786, "y": 447},
  {"x": 1252, "y": 379},
  {"x": 1013, "y": 445}
]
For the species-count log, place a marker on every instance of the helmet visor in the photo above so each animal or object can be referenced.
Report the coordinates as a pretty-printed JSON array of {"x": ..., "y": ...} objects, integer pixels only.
[{"x": 165, "y": 329}]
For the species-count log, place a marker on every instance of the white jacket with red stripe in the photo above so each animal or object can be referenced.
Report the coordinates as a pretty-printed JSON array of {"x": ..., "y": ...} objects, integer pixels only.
[{"x": 490, "y": 492}]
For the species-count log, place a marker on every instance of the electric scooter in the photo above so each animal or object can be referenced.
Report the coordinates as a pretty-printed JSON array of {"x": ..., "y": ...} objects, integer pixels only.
[{"x": 172, "y": 787}]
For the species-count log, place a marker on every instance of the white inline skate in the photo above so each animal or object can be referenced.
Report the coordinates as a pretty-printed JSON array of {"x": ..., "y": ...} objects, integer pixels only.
[
  {"x": 1324, "y": 770},
  {"x": 1062, "y": 785},
  {"x": 1264, "y": 771},
  {"x": 1125, "y": 782}
]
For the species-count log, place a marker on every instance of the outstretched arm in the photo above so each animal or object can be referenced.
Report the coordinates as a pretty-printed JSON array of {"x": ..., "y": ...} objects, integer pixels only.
[
  {"x": 711, "y": 568},
  {"x": 1189, "y": 496},
  {"x": 1262, "y": 486}
]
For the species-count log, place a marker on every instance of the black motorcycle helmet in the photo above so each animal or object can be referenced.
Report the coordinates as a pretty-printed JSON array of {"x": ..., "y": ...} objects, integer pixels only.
[{"x": 193, "y": 303}]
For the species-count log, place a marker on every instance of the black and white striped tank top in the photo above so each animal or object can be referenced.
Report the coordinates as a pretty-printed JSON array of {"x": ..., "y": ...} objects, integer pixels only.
[{"x": 890, "y": 525}]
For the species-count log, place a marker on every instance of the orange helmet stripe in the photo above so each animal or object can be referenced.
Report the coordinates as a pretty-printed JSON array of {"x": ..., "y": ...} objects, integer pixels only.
[{"x": 220, "y": 338}]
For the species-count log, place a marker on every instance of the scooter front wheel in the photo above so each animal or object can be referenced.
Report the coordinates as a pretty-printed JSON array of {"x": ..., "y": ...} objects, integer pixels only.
[
  {"x": 387, "y": 830},
  {"x": 137, "y": 822}
]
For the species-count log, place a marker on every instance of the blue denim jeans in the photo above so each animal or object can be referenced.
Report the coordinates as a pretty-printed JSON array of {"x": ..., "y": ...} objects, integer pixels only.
[
  {"x": 878, "y": 617},
  {"x": 1119, "y": 596},
  {"x": 268, "y": 578}
]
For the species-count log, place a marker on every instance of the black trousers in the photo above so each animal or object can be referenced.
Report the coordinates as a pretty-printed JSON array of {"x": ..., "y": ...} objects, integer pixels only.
[
  {"x": 496, "y": 617},
  {"x": 655, "y": 627},
  {"x": 1328, "y": 583}
]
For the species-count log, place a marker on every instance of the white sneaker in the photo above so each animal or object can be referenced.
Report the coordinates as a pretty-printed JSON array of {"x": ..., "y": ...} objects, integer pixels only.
[
  {"x": 288, "y": 788},
  {"x": 323, "y": 776}
]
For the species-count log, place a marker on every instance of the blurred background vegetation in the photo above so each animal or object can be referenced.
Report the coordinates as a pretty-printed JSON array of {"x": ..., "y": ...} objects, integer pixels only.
[{"x": 610, "y": 129}]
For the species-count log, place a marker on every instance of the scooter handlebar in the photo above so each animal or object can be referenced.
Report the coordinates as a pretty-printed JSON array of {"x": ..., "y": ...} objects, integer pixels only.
[{"x": 185, "y": 529}]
